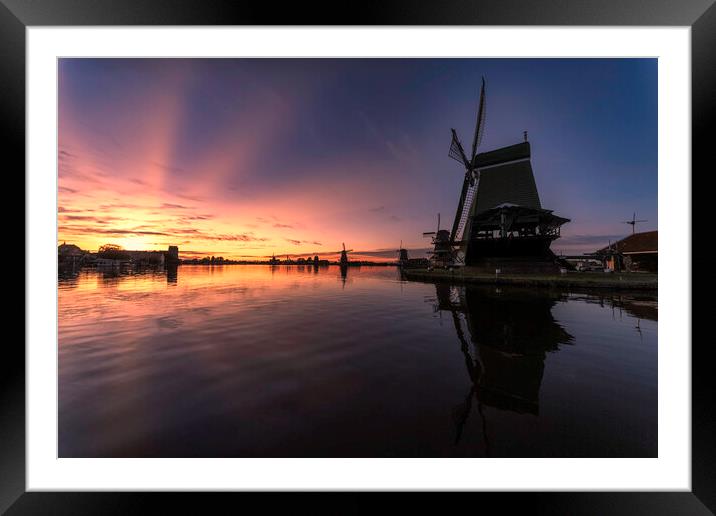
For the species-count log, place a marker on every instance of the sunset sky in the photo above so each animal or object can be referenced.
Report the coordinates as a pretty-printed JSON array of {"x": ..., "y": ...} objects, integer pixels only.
[{"x": 250, "y": 157}]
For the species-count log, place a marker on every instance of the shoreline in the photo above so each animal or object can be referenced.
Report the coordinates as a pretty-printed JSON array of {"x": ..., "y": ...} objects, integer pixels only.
[
  {"x": 334, "y": 264},
  {"x": 581, "y": 280}
]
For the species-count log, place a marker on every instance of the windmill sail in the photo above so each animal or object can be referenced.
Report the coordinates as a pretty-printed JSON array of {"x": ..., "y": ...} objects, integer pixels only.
[
  {"x": 456, "y": 151},
  {"x": 470, "y": 184},
  {"x": 465, "y": 212},
  {"x": 480, "y": 122}
]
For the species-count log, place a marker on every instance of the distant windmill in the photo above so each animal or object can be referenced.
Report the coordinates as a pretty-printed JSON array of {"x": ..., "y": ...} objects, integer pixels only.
[
  {"x": 344, "y": 255},
  {"x": 431, "y": 233},
  {"x": 402, "y": 253},
  {"x": 633, "y": 222},
  {"x": 442, "y": 251}
]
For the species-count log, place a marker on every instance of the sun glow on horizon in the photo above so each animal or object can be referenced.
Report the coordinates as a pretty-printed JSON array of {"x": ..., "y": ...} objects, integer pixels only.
[{"x": 132, "y": 183}]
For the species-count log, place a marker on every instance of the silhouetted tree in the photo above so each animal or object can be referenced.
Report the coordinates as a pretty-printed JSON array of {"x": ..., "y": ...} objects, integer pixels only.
[{"x": 112, "y": 252}]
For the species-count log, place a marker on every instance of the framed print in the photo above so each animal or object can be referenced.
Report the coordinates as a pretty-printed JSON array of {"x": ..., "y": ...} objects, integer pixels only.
[{"x": 409, "y": 250}]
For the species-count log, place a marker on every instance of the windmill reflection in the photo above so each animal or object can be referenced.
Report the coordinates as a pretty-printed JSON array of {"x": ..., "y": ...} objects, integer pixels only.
[
  {"x": 344, "y": 273},
  {"x": 504, "y": 337}
]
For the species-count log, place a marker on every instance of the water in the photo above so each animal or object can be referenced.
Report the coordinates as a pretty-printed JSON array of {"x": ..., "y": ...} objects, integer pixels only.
[{"x": 239, "y": 361}]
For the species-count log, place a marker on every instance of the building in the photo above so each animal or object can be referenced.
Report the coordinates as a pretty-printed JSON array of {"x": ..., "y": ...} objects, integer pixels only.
[
  {"x": 583, "y": 263},
  {"x": 110, "y": 254},
  {"x": 172, "y": 254},
  {"x": 69, "y": 255},
  {"x": 636, "y": 253},
  {"x": 147, "y": 257},
  {"x": 65, "y": 249},
  {"x": 168, "y": 257}
]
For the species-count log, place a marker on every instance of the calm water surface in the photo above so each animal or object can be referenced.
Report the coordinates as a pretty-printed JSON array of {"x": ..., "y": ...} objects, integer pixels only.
[{"x": 239, "y": 361}]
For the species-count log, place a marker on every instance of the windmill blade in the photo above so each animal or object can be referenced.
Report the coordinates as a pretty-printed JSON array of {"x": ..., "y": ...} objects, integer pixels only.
[
  {"x": 429, "y": 233},
  {"x": 460, "y": 205},
  {"x": 456, "y": 151},
  {"x": 479, "y": 125}
]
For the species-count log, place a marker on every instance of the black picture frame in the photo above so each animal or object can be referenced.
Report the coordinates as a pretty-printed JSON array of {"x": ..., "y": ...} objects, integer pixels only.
[{"x": 700, "y": 15}]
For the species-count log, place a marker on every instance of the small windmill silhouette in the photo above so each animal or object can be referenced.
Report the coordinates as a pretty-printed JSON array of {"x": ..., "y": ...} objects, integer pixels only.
[
  {"x": 633, "y": 222},
  {"x": 402, "y": 253},
  {"x": 344, "y": 256}
]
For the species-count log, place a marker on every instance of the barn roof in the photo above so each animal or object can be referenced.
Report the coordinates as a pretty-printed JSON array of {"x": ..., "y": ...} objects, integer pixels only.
[{"x": 646, "y": 242}]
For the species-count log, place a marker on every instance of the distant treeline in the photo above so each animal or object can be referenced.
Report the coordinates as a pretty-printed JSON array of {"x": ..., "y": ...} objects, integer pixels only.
[{"x": 218, "y": 260}]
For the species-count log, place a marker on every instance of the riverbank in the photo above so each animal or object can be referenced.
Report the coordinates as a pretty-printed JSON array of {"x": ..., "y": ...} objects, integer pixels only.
[{"x": 582, "y": 280}]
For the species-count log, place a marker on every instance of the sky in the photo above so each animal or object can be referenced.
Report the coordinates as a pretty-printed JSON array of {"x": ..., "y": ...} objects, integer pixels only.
[{"x": 245, "y": 158}]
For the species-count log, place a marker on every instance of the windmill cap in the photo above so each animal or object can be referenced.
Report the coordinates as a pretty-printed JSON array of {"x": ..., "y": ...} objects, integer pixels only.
[{"x": 503, "y": 155}]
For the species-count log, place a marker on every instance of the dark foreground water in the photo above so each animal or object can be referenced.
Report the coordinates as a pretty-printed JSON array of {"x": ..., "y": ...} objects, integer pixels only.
[{"x": 239, "y": 361}]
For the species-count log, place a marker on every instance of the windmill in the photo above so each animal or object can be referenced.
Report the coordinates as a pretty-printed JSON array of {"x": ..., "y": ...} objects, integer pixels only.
[
  {"x": 431, "y": 233},
  {"x": 442, "y": 252},
  {"x": 470, "y": 182},
  {"x": 402, "y": 254},
  {"x": 344, "y": 256},
  {"x": 633, "y": 222},
  {"x": 499, "y": 217}
]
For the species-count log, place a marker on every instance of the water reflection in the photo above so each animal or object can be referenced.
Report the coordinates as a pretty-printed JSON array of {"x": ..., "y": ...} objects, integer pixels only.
[
  {"x": 344, "y": 274},
  {"x": 634, "y": 304},
  {"x": 504, "y": 337},
  {"x": 172, "y": 273},
  {"x": 112, "y": 275},
  {"x": 68, "y": 275},
  {"x": 290, "y": 361}
]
